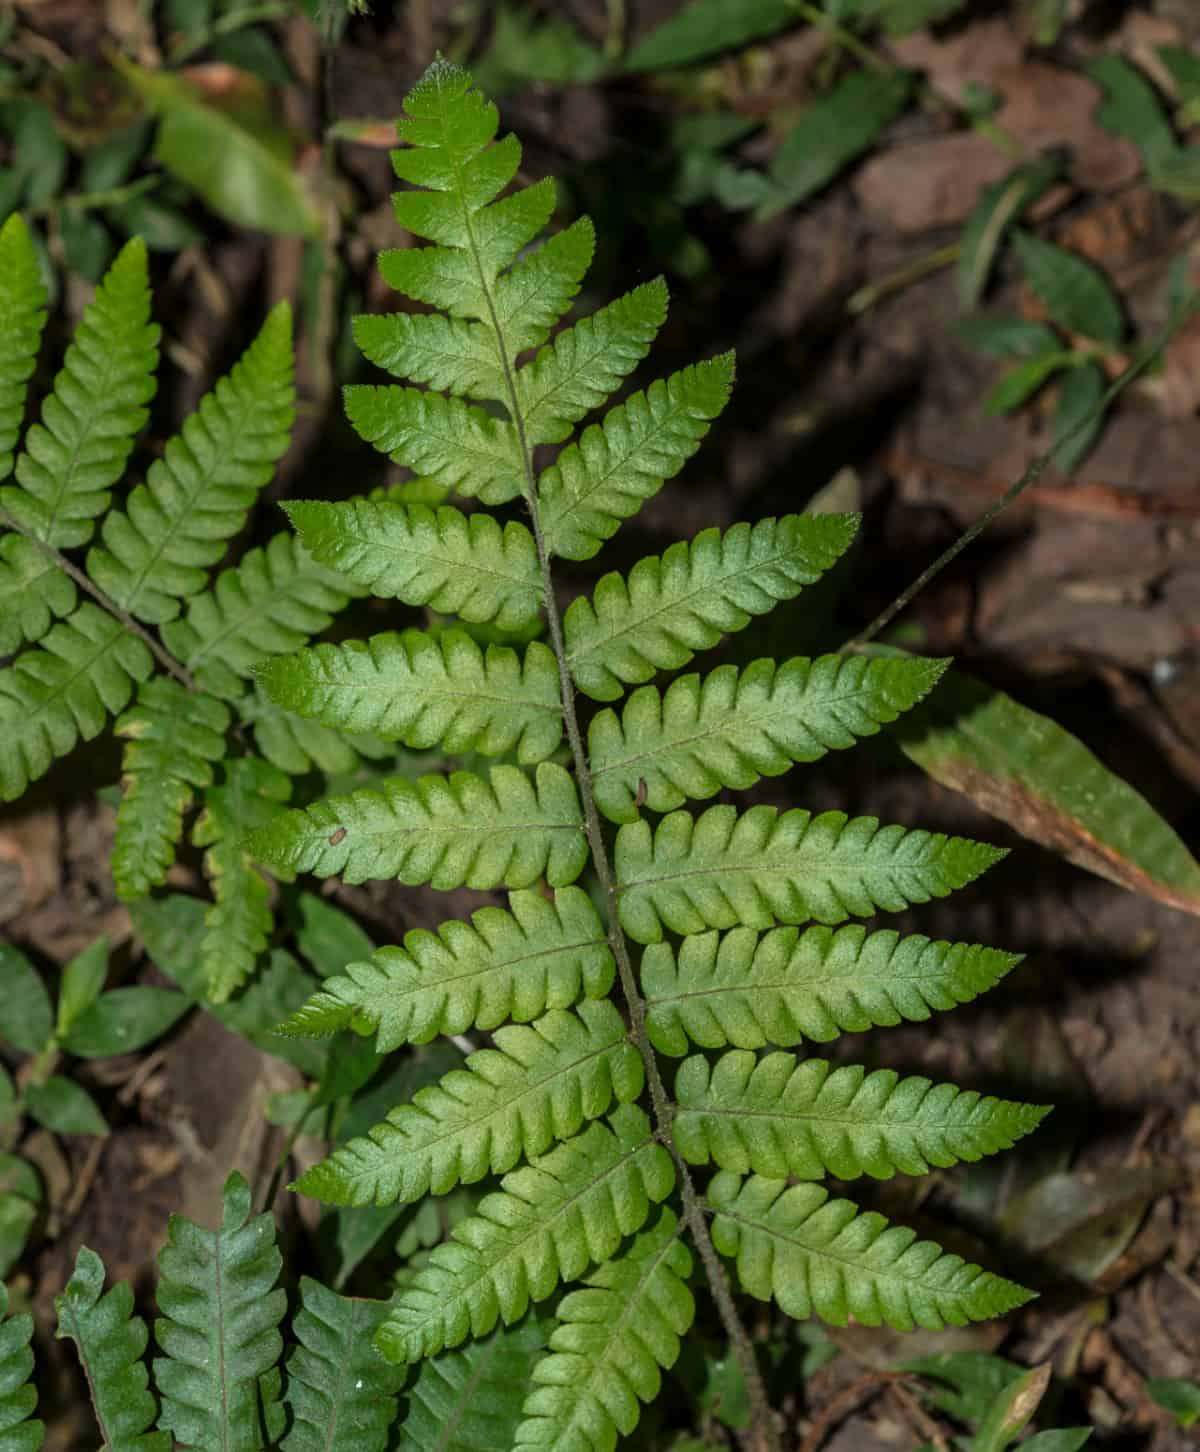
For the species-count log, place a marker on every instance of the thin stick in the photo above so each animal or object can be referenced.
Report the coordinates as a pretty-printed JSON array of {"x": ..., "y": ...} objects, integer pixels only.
[{"x": 1034, "y": 472}]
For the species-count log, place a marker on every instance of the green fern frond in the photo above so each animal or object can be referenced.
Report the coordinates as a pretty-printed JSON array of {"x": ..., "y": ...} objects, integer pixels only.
[
  {"x": 540, "y": 1083},
  {"x": 33, "y": 592},
  {"x": 111, "y": 1342},
  {"x": 731, "y": 727},
  {"x": 721, "y": 870},
  {"x": 22, "y": 319},
  {"x": 463, "y": 564},
  {"x": 505, "y": 831},
  {"x": 502, "y": 965},
  {"x": 425, "y": 690},
  {"x": 157, "y": 550},
  {"x": 746, "y": 991},
  {"x": 613, "y": 1340},
  {"x": 219, "y": 1325},
  {"x": 582, "y": 368},
  {"x": 272, "y": 603},
  {"x": 682, "y": 601},
  {"x": 342, "y": 1396},
  {"x": 298, "y": 746},
  {"x": 20, "y": 1431},
  {"x": 552, "y": 1219},
  {"x": 469, "y": 1400},
  {"x": 816, "y": 1256},
  {"x": 776, "y": 1116},
  {"x": 449, "y": 441},
  {"x": 238, "y": 924},
  {"x": 174, "y": 738},
  {"x": 84, "y": 671},
  {"x": 606, "y": 477},
  {"x": 78, "y": 450}
]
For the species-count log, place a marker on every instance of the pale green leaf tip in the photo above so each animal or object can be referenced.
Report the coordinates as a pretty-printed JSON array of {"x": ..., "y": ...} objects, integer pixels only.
[{"x": 236, "y": 1200}]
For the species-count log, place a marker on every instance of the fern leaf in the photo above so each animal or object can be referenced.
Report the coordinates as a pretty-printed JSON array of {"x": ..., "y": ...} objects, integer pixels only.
[
  {"x": 449, "y": 441},
  {"x": 342, "y": 1396},
  {"x": 584, "y": 365},
  {"x": 426, "y": 690},
  {"x": 157, "y": 550},
  {"x": 778, "y": 1117},
  {"x": 22, "y": 319},
  {"x": 469, "y": 1400},
  {"x": 84, "y": 671},
  {"x": 682, "y": 601},
  {"x": 77, "y": 452},
  {"x": 219, "y": 1325},
  {"x": 814, "y": 1255},
  {"x": 33, "y": 592},
  {"x": 111, "y": 1342},
  {"x": 467, "y": 565},
  {"x": 173, "y": 739},
  {"x": 731, "y": 727},
  {"x": 621, "y": 462},
  {"x": 19, "y": 1430},
  {"x": 748, "y": 991},
  {"x": 269, "y": 605},
  {"x": 613, "y": 1337},
  {"x": 552, "y": 1219},
  {"x": 239, "y": 922},
  {"x": 532, "y": 295},
  {"x": 540, "y": 1083},
  {"x": 297, "y": 746},
  {"x": 448, "y": 354},
  {"x": 502, "y": 965},
  {"x": 505, "y": 831},
  {"x": 720, "y": 869}
]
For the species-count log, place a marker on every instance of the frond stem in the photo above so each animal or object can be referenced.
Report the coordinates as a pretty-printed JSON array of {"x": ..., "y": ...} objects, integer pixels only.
[{"x": 155, "y": 647}]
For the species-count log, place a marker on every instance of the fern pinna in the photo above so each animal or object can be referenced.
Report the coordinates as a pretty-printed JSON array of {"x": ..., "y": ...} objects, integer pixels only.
[
  {"x": 157, "y": 642},
  {"x": 609, "y": 1178}
]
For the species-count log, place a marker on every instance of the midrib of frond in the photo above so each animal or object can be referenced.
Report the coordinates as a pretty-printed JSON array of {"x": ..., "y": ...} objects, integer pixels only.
[
  {"x": 861, "y": 863},
  {"x": 872, "y": 1120},
  {"x": 219, "y": 1286},
  {"x": 343, "y": 1373}
]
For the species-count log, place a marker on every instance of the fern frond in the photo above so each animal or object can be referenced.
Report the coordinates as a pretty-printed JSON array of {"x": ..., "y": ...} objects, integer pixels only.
[
  {"x": 619, "y": 463},
  {"x": 342, "y": 1395},
  {"x": 540, "y": 1083},
  {"x": 684, "y": 600},
  {"x": 238, "y": 924},
  {"x": 746, "y": 990},
  {"x": 502, "y": 965},
  {"x": 552, "y": 1219},
  {"x": 33, "y": 592},
  {"x": 505, "y": 831},
  {"x": 219, "y": 1325},
  {"x": 84, "y": 671},
  {"x": 815, "y": 1255},
  {"x": 732, "y": 727},
  {"x": 777, "y": 1116},
  {"x": 584, "y": 365},
  {"x": 469, "y": 1400},
  {"x": 22, "y": 319},
  {"x": 449, "y": 441},
  {"x": 426, "y": 690},
  {"x": 613, "y": 1337},
  {"x": 111, "y": 1342},
  {"x": 173, "y": 739},
  {"x": 720, "y": 869},
  {"x": 157, "y": 550},
  {"x": 297, "y": 746},
  {"x": 270, "y": 604},
  {"x": 462, "y": 564},
  {"x": 20, "y": 1431},
  {"x": 77, "y": 452}
]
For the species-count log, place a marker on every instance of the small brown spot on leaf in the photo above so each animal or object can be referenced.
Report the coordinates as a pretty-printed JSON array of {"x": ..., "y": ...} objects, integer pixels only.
[
  {"x": 642, "y": 791},
  {"x": 337, "y": 836}
]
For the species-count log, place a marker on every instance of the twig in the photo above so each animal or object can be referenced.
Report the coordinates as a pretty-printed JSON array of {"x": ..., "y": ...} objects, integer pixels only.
[
  {"x": 848, "y": 1400},
  {"x": 160, "y": 653},
  {"x": 1034, "y": 472},
  {"x": 918, "y": 1416}
]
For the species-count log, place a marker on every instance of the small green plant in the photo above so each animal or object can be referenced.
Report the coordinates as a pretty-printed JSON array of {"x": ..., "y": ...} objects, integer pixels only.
[
  {"x": 996, "y": 1398},
  {"x": 87, "y": 1023},
  {"x": 691, "y": 939}
]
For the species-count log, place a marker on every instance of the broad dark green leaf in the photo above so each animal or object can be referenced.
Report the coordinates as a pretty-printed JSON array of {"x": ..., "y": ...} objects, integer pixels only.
[
  {"x": 1074, "y": 292},
  {"x": 26, "y": 1017},
  {"x": 1020, "y": 383},
  {"x": 1178, "y": 1396},
  {"x": 1131, "y": 109},
  {"x": 124, "y": 1020},
  {"x": 64, "y": 1107},
  {"x": 706, "y": 27},
  {"x": 82, "y": 980},
  {"x": 1079, "y": 402}
]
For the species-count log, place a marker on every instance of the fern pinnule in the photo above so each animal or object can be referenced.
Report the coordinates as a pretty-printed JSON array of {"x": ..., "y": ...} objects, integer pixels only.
[
  {"x": 22, "y": 320},
  {"x": 502, "y": 965},
  {"x": 20, "y": 1431}
]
